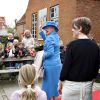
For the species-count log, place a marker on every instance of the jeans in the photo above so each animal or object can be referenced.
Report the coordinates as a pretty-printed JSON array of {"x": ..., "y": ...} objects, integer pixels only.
[{"x": 77, "y": 90}]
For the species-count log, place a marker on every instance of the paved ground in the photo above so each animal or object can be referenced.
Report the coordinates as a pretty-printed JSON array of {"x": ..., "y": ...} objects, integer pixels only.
[
  {"x": 7, "y": 87},
  {"x": 96, "y": 86}
]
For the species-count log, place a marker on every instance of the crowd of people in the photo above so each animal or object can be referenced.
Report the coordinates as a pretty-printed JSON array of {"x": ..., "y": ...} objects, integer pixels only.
[
  {"x": 70, "y": 74},
  {"x": 14, "y": 48}
]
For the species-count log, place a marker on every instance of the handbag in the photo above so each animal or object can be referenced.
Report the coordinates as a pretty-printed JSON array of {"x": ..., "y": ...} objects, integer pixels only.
[{"x": 38, "y": 64}]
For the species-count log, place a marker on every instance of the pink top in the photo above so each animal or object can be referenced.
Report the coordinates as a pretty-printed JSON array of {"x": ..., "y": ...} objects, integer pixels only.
[{"x": 41, "y": 95}]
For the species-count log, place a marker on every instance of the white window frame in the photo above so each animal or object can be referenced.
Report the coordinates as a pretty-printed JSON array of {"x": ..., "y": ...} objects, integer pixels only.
[
  {"x": 55, "y": 12},
  {"x": 34, "y": 25}
]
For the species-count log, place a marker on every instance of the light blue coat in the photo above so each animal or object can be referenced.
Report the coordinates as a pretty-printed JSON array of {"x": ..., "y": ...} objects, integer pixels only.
[
  {"x": 51, "y": 49},
  {"x": 52, "y": 64}
]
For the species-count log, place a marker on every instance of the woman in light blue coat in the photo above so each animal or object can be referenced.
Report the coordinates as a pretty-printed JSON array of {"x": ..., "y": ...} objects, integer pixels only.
[{"x": 51, "y": 61}]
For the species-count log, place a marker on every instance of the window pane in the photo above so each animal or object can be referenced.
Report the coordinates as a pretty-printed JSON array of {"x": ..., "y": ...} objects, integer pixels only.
[
  {"x": 36, "y": 17},
  {"x": 34, "y": 24},
  {"x": 33, "y": 27},
  {"x": 33, "y": 17},
  {"x": 54, "y": 13},
  {"x": 52, "y": 9},
  {"x": 57, "y": 11}
]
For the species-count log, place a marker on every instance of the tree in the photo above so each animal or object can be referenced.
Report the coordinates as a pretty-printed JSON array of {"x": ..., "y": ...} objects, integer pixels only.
[{"x": 10, "y": 30}]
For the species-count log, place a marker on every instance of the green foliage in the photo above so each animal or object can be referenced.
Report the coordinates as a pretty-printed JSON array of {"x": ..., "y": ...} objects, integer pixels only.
[
  {"x": 16, "y": 37},
  {"x": 1, "y": 65},
  {"x": 4, "y": 39},
  {"x": 38, "y": 48},
  {"x": 98, "y": 77},
  {"x": 10, "y": 30},
  {"x": 97, "y": 80}
]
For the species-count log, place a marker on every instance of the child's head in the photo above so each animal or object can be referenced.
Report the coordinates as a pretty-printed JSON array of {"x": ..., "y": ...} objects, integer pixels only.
[
  {"x": 21, "y": 45},
  {"x": 27, "y": 78},
  {"x": 10, "y": 36},
  {"x": 9, "y": 45},
  {"x": 15, "y": 41},
  {"x": 31, "y": 51},
  {"x": 27, "y": 34}
]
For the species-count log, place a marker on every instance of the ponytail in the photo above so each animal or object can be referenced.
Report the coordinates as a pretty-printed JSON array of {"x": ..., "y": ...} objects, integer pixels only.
[
  {"x": 27, "y": 78},
  {"x": 28, "y": 94}
]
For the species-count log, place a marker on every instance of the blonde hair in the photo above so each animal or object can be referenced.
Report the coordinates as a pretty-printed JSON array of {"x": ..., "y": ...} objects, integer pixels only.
[
  {"x": 9, "y": 44},
  {"x": 27, "y": 31},
  {"x": 27, "y": 76},
  {"x": 10, "y": 35},
  {"x": 15, "y": 40}
]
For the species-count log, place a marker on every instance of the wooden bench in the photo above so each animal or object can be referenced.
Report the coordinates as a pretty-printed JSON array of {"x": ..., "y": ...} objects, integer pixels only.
[
  {"x": 27, "y": 58},
  {"x": 5, "y": 71},
  {"x": 11, "y": 70},
  {"x": 9, "y": 73}
]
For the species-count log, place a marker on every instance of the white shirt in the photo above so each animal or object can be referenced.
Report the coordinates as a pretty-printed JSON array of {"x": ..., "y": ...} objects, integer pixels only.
[
  {"x": 11, "y": 53},
  {"x": 28, "y": 41}
]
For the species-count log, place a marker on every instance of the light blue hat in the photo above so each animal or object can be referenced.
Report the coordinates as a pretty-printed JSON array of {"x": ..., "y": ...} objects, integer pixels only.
[{"x": 51, "y": 23}]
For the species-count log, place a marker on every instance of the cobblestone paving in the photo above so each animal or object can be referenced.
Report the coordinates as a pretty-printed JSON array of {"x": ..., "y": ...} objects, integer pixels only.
[{"x": 7, "y": 87}]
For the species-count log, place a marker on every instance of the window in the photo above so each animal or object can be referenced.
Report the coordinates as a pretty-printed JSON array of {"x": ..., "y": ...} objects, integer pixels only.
[
  {"x": 34, "y": 24},
  {"x": 54, "y": 15}
]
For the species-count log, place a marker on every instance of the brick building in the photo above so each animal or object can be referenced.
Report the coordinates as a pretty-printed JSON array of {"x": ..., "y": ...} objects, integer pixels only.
[
  {"x": 61, "y": 11},
  {"x": 3, "y": 27},
  {"x": 2, "y": 23},
  {"x": 20, "y": 26}
]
